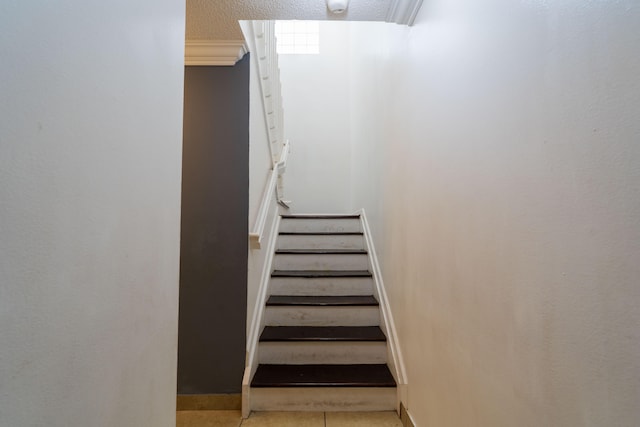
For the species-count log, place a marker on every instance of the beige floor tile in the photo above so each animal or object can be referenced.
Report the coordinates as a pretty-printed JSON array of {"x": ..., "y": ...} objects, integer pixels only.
[
  {"x": 284, "y": 419},
  {"x": 363, "y": 419},
  {"x": 208, "y": 418},
  {"x": 209, "y": 402}
]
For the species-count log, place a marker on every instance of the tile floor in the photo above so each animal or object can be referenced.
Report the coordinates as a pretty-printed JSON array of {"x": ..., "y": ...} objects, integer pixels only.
[{"x": 287, "y": 419}]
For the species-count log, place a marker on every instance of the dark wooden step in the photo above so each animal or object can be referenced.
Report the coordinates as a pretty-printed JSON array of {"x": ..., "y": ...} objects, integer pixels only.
[
  {"x": 320, "y": 216},
  {"x": 321, "y": 252},
  {"x": 323, "y": 376},
  {"x": 321, "y": 233},
  {"x": 324, "y": 301},
  {"x": 321, "y": 273},
  {"x": 322, "y": 333}
]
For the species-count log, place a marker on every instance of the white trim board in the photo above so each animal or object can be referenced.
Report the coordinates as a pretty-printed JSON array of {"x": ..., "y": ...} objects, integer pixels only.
[
  {"x": 396, "y": 361},
  {"x": 405, "y": 417},
  {"x": 214, "y": 52}
]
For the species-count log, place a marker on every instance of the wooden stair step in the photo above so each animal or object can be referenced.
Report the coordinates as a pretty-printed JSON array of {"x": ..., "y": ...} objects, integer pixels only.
[
  {"x": 321, "y": 300},
  {"x": 321, "y": 273},
  {"x": 323, "y": 376},
  {"x": 320, "y": 216},
  {"x": 321, "y": 252},
  {"x": 322, "y": 333}
]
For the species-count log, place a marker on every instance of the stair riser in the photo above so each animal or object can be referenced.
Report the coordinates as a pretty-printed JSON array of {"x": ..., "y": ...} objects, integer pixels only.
[
  {"x": 320, "y": 225},
  {"x": 321, "y": 242},
  {"x": 322, "y": 316},
  {"x": 328, "y": 353},
  {"x": 327, "y": 399},
  {"x": 327, "y": 286},
  {"x": 321, "y": 262}
]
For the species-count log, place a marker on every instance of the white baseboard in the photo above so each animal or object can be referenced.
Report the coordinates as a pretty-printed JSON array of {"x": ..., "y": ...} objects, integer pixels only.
[
  {"x": 406, "y": 418},
  {"x": 396, "y": 362}
]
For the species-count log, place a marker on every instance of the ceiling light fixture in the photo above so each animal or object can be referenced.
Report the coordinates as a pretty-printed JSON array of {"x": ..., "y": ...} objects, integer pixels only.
[{"x": 337, "y": 6}]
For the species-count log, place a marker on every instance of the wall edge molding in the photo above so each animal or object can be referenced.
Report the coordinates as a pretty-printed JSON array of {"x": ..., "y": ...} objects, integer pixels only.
[
  {"x": 403, "y": 11},
  {"x": 396, "y": 360},
  {"x": 214, "y": 52}
]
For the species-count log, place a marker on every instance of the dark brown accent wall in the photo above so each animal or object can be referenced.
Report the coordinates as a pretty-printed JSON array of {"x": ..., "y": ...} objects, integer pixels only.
[{"x": 213, "y": 250}]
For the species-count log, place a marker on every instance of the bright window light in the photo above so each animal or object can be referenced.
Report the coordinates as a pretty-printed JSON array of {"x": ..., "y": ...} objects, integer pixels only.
[{"x": 298, "y": 37}]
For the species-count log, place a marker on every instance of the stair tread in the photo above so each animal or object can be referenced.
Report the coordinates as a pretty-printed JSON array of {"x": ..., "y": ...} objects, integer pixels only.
[
  {"x": 321, "y": 273},
  {"x": 320, "y": 216},
  {"x": 329, "y": 300},
  {"x": 321, "y": 233},
  {"x": 321, "y": 252},
  {"x": 322, "y": 333},
  {"x": 323, "y": 376}
]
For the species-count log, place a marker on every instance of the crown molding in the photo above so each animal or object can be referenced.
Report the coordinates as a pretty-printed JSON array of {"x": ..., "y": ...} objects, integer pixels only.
[
  {"x": 403, "y": 11},
  {"x": 214, "y": 52}
]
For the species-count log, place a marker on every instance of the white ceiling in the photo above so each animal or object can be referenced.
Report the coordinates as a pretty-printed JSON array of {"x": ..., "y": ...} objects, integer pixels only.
[{"x": 218, "y": 19}]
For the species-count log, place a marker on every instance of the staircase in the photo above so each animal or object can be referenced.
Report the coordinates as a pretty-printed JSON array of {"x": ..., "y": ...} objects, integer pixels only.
[{"x": 322, "y": 347}]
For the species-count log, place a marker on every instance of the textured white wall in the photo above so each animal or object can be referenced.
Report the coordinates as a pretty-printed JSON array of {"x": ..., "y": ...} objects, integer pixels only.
[
  {"x": 370, "y": 112},
  {"x": 510, "y": 221},
  {"x": 218, "y": 20},
  {"x": 315, "y": 92},
  {"x": 90, "y": 154}
]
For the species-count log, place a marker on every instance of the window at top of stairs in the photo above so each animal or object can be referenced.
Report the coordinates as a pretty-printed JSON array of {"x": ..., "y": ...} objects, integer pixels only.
[{"x": 298, "y": 37}]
